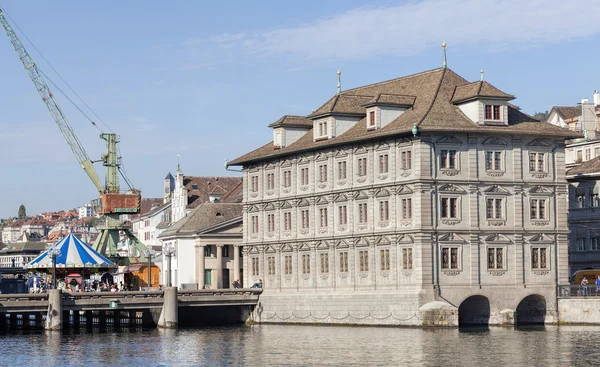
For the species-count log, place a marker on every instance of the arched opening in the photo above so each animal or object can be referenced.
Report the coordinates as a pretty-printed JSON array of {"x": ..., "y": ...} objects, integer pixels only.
[
  {"x": 474, "y": 311},
  {"x": 531, "y": 311}
]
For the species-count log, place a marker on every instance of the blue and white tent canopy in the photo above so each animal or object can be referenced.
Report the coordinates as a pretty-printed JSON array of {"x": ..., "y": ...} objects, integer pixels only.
[{"x": 74, "y": 253}]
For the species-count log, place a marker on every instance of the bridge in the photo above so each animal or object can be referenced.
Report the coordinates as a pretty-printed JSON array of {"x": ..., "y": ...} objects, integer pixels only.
[{"x": 165, "y": 308}]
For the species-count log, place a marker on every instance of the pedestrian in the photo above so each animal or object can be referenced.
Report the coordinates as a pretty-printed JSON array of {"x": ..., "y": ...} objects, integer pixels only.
[
  {"x": 584, "y": 286},
  {"x": 597, "y": 284}
]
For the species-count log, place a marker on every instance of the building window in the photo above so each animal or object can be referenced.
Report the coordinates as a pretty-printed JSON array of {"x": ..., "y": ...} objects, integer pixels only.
[
  {"x": 495, "y": 258},
  {"x": 323, "y": 217},
  {"x": 449, "y": 208},
  {"x": 407, "y": 259},
  {"x": 450, "y": 258},
  {"x": 270, "y": 181},
  {"x": 254, "y": 183},
  {"x": 287, "y": 178},
  {"x": 287, "y": 221},
  {"x": 493, "y": 161},
  {"x": 588, "y": 154},
  {"x": 406, "y": 160},
  {"x": 305, "y": 219},
  {"x": 147, "y": 223},
  {"x": 383, "y": 163},
  {"x": 448, "y": 159},
  {"x": 288, "y": 264},
  {"x": 363, "y": 257},
  {"x": 595, "y": 200},
  {"x": 362, "y": 213},
  {"x": 492, "y": 112},
  {"x": 580, "y": 200},
  {"x": 255, "y": 224},
  {"x": 406, "y": 208},
  {"x": 344, "y": 262},
  {"x": 494, "y": 209},
  {"x": 324, "y": 263},
  {"x": 342, "y": 170},
  {"x": 255, "y": 268},
  {"x": 362, "y": 167},
  {"x": 147, "y": 236},
  {"x": 372, "y": 119},
  {"x": 304, "y": 176},
  {"x": 306, "y": 264},
  {"x": 596, "y": 152},
  {"x": 384, "y": 259},
  {"x": 581, "y": 244},
  {"x": 595, "y": 244},
  {"x": 225, "y": 250},
  {"x": 536, "y": 162},
  {"x": 271, "y": 222},
  {"x": 322, "y": 129},
  {"x": 207, "y": 250},
  {"x": 343, "y": 211},
  {"x": 384, "y": 211},
  {"x": 538, "y": 209},
  {"x": 539, "y": 258},
  {"x": 271, "y": 265},
  {"x": 323, "y": 173}
]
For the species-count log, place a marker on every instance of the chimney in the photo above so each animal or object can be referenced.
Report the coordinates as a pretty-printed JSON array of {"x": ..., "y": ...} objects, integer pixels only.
[{"x": 596, "y": 98}]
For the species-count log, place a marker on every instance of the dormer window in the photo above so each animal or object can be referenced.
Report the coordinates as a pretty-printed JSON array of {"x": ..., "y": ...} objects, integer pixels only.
[
  {"x": 321, "y": 131},
  {"x": 492, "y": 112},
  {"x": 371, "y": 123},
  {"x": 277, "y": 140}
]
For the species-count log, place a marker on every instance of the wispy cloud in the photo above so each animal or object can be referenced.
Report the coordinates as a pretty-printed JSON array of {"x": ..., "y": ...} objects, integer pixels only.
[{"x": 413, "y": 26}]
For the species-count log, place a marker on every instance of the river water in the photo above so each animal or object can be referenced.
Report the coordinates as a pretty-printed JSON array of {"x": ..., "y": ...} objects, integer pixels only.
[{"x": 282, "y": 345}]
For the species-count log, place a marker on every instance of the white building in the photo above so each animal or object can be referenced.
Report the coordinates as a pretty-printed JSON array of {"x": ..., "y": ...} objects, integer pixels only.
[{"x": 86, "y": 211}]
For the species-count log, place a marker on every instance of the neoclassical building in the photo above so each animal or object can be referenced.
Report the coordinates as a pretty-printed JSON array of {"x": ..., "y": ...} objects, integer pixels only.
[{"x": 426, "y": 199}]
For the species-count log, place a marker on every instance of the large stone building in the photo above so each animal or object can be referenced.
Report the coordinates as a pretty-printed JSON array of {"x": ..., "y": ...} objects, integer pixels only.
[{"x": 425, "y": 199}]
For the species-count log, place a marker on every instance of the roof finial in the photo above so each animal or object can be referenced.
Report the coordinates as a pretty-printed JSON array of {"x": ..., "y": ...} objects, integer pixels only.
[
  {"x": 339, "y": 86},
  {"x": 444, "y": 48},
  {"x": 481, "y": 75},
  {"x": 178, "y": 169}
]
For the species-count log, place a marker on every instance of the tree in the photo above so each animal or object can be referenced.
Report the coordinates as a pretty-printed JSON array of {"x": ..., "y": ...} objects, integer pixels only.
[
  {"x": 22, "y": 212},
  {"x": 542, "y": 116},
  {"x": 92, "y": 222}
]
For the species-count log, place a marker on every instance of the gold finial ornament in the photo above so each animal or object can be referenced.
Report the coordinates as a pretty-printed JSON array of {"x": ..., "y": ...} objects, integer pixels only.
[{"x": 444, "y": 64}]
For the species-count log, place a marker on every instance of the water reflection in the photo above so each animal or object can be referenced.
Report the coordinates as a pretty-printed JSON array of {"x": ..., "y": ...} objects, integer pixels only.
[{"x": 305, "y": 345}]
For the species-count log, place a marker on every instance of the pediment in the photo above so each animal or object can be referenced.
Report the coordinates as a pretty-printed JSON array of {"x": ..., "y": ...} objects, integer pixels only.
[
  {"x": 449, "y": 139},
  {"x": 253, "y": 209},
  {"x": 341, "y": 153},
  {"x": 360, "y": 149},
  {"x": 253, "y": 250},
  {"x": 269, "y": 206},
  {"x": 302, "y": 202},
  {"x": 270, "y": 166},
  {"x": 322, "y": 245},
  {"x": 360, "y": 195},
  {"x": 381, "y": 192},
  {"x": 286, "y": 205},
  {"x": 498, "y": 238},
  {"x": 321, "y": 200},
  {"x": 285, "y": 163},
  {"x": 361, "y": 242},
  {"x": 382, "y": 241},
  {"x": 495, "y": 189},
  {"x": 287, "y": 248},
  {"x": 340, "y": 197},
  {"x": 383, "y": 145},
  {"x": 253, "y": 168},
  {"x": 451, "y": 238},
  {"x": 304, "y": 246},
  {"x": 451, "y": 188},
  {"x": 270, "y": 249},
  {"x": 342, "y": 243},
  {"x": 321, "y": 156},
  {"x": 403, "y": 142},
  {"x": 303, "y": 159},
  {"x": 403, "y": 189},
  {"x": 539, "y": 142},
  {"x": 494, "y": 141},
  {"x": 540, "y": 190},
  {"x": 541, "y": 238},
  {"x": 405, "y": 239}
]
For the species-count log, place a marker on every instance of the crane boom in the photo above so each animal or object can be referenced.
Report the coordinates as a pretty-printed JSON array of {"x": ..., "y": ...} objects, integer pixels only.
[{"x": 53, "y": 107}]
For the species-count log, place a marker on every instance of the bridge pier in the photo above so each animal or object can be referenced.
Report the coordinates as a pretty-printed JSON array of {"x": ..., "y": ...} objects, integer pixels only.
[
  {"x": 169, "y": 315},
  {"x": 54, "y": 317}
]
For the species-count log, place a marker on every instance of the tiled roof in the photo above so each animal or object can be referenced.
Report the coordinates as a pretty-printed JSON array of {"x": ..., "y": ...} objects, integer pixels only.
[
  {"x": 234, "y": 196},
  {"x": 204, "y": 216},
  {"x": 17, "y": 247},
  {"x": 567, "y": 112},
  {"x": 147, "y": 204},
  {"x": 432, "y": 111},
  {"x": 391, "y": 99},
  {"x": 200, "y": 188},
  {"x": 591, "y": 166},
  {"x": 345, "y": 103},
  {"x": 480, "y": 89},
  {"x": 292, "y": 121}
]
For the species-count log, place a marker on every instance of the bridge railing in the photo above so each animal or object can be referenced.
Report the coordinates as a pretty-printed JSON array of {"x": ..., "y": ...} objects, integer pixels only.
[
  {"x": 221, "y": 292},
  {"x": 578, "y": 290},
  {"x": 111, "y": 295},
  {"x": 24, "y": 297}
]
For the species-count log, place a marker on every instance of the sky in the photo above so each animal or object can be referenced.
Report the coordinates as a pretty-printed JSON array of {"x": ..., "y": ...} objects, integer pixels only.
[{"x": 202, "y": 79}]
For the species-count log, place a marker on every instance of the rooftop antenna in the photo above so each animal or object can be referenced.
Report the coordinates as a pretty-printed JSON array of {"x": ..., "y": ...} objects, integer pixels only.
[
  {"x": 339, "y": 86},
  {"x": 445, "y": 63},
  {"x": 481, "y": 75}
]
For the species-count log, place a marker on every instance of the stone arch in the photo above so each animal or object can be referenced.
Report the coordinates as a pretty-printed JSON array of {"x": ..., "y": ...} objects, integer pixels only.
[
  {"x": 474, "y": 310},
  {"x": 531, "y": 310}
]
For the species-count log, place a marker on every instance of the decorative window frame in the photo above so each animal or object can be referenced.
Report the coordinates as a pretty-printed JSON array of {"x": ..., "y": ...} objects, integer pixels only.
[
  {"x": 540, "y": 193},
  {"x": 301, "y": 185},
  {"x": 361, "y": 178},
  {"x": 457, "y": 161},
  {"x": 449, "y": 220},
  {"x": 318, "y": 126},
  {"x": 451, "y": 241}
]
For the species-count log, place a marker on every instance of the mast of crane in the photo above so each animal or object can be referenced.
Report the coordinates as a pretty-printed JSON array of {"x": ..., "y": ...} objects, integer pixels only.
[{"x": 52, "y": 105}]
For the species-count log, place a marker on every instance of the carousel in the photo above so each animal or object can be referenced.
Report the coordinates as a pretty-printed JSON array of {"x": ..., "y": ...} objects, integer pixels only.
[{"x": 75, "y": 264}]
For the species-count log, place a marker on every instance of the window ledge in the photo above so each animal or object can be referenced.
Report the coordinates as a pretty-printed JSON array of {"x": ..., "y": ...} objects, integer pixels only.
[{"x": 319, "y": 138}]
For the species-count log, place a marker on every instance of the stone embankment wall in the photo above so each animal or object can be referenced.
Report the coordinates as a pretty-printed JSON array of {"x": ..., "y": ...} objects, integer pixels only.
[{"x": 579, "y": 310}]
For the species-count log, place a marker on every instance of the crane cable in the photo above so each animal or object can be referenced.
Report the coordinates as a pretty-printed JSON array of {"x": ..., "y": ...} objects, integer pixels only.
[{"x": 61, "y": 78}]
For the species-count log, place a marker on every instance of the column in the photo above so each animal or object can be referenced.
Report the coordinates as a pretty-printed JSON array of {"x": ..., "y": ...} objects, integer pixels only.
[
  {"x": 54, "y": 317},
  {"x": 219, "y": 266},
  {"x": 200, "y": 264},
  {"x": 236, "y": 262}
]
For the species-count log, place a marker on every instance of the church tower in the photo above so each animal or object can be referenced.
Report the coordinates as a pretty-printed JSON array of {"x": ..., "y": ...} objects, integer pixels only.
[{"x": 169, "y": 186}]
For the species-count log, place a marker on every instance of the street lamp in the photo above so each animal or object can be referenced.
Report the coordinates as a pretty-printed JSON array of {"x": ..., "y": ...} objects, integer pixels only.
[
  {"x": 169, "y": 252},
  {"x": 149, "y": 253},
  {"x": 54, "y": 252}
]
